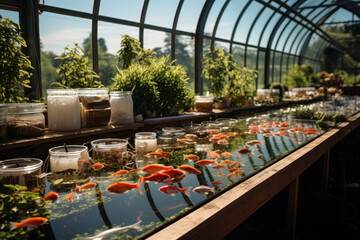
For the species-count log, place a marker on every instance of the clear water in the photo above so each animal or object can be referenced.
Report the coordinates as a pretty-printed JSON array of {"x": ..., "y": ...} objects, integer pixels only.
[{"x": 97, "y": 209}]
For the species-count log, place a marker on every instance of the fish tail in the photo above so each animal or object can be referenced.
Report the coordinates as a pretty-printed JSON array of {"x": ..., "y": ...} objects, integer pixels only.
[
  {"x": 137, "y": 225},
  {"x": 186, "y": 191},
  {"x": 14, "y": 225},
  {"x": 138, "y": 185}
]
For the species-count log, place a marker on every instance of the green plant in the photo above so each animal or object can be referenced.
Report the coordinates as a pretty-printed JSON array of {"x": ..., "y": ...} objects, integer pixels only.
[
  {"x": 129, "y": 50},
  {"x": 75, "y": 71},
  {"x": 248, "y": 81},
  {"x": 278, "y": 86},
  {"x": 234, "y": 85},
  {"x": 297, "y": 76},
  {"x": 14, "y": 65}
]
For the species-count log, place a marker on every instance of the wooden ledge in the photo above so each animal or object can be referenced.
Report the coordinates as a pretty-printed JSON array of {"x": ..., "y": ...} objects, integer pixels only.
[{"x": 235, "y": 205}]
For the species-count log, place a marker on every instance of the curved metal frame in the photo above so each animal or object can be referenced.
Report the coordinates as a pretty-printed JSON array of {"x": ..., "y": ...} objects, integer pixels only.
[{"x": 217, "y": 23}]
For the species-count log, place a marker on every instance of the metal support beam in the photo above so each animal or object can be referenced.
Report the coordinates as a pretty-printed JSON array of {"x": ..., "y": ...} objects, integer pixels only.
[
  {"x": 29, "y": 23},
  {"x": 173, "y": 35},
  {"x": 199, "y": 45},
  {"x": 142, "y": 21},
  {"x": 217, "y": 24},
  {"x": 94, "y": 37}
]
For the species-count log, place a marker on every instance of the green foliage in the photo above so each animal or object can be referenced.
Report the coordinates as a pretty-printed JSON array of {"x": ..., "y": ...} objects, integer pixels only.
[
  {"x": 157, "y": 84},
  {"x": 297, "y": 76},
  {"x": 129, "y": 50},
  {"x": 75, "y": 71},
  {"x": 17, "y": 204},
  {"x": 14, "y": 65},
  {"x": 278, "y": 86},
  {"x": 248, "y": 80}
]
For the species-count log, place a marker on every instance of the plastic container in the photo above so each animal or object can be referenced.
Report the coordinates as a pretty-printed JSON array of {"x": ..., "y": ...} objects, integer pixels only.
[
  {"x": 3, "y": 113},
  {"x": 21, "y": 171},
  {"x": 264, "y": 95},
  {"x": 299, "y": 92},
  {"x": 275, "y": 95},
  {"x": 69, "y": 158},
  {"x": 25, "y": 120},
  {"x": 145, "y": 142},
  {"x": 122, "y": 108},
  {"x": 95, "y": 107},
  {"x": 110, "y": 150},
  {"x": 204, "y": 103},
  {"x": 63, "y": 109}
]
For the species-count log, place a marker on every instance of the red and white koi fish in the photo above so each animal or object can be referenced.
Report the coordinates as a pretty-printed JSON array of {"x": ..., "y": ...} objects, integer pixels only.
[
  {"x": 203, "y": 190},
  {"x": 171, "y": 189}
]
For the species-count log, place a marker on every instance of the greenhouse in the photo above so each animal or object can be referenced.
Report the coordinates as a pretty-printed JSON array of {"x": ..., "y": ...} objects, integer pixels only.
[{"x": 179, "y": 119}]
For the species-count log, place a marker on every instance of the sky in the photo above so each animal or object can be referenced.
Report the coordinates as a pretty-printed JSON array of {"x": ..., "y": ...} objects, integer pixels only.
[{"x": 58, "y": 31}]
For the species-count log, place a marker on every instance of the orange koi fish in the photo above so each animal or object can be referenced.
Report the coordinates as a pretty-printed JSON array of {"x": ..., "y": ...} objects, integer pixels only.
[
  {"x": 205, "y": 162},
  {"x": 185, "y": 140},
  {"x": 227, "y": 161},
  {"x": 236, "y": 163},
  {"x": 119, "y": 173},
  {"x": 203, "y": 190},
  {"x": 282, "y": 128},
  {"x": 30, "y": 222},
  {"x": 223, "y": 142},
  {"x": 171, "y": 189},
  {"x": 231, "y": 175},
  {"x": 217, "y": 183},
  {"x": 191, "y": 157},
  {"x": 239, "y": 171},
  {"x": 260, "y": 156},
  {"x": 212, "y": 154},
  {"x": 156, "y": 177},
  {"x": 97, "y": 166},
  {"x": 212, "y": 131},
  {"x": 154, "y": 168},
  {"x": 233, "y": 169},
  {"x": 189, "y": 169},
  {"x": 254, "y": 142},
  {"x": 218, "y": 166},
  {"x": 226, "y": 154},
  {"x": 284, "y": 124},
  {"x": 84, "y": 187},
  {"x": 70, "y": 196},
  {"x": 124, "y": 187},
  {"x": 214, "y": 139},
  {"x": 244, "y": 151},
  {"x": 231, "y": 134},
  {"x": 173, "y": 172},
  {"x": 51, "y": 196},
  {"x": 191, "y": 136},
  {"x": 218, "y": 151},
  {"x": 133, "y": 170}
]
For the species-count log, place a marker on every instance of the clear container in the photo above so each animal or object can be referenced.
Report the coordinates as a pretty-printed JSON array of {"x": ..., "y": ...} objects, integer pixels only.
[
  {"x": 299, "y": 92},
  {"x": 192, "y": 127},
  {"x": 145, "y": 142},
  {"x": 3, "y": 113},
  {"x": 63, "y": 109},
  {"x": 275, "y": 95},
  {"x": 204, "y": 103},
  {"x": 263, "y": 95},
  {"x": 95, "y": 107},
  {"x": 172, "y": 130},
  {"x": 122, "y": 107},
  {"x": 25, "y": 120},
  {"x": 110, "y": 150},
  {"x": 70, "y": 158},
  {"x": 21, "y": 171}
]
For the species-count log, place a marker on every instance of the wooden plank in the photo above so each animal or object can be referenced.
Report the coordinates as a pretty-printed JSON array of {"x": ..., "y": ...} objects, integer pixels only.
[
  {"x": 292, "y": 207},
  {"x": 235, "y": 205},
  {"x": 325, "y": 170}
]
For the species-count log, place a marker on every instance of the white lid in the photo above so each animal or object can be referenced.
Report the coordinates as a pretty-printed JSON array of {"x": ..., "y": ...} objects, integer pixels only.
[
  {"x": 93, "y": 91},
  {"x": 62, "y": 91}
]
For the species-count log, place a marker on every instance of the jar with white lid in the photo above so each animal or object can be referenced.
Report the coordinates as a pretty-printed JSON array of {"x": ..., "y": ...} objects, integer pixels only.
[
  {"x": 70, "y": 157},
  {"x": 25, "y": 120},
  {"x": 95, "y": 107},
  {"x": 110, "y": 150},
  {"x": 21, "y": 171},
  {"x": 63, "y": 109},
  {"x": 122, "y": 108},
  {"x": 145, "y": 142},
  {"x": 204, "y": 103},
  {"x": 3, "y": 113}
]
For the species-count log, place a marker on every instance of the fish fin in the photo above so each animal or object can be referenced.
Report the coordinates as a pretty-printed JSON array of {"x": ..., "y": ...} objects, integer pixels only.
[
  {"x": 13, "y": 225},
  {"x": 137, "y": 225},
  {"x": 186, "y": 191},
  {"x": 138, "y": 185}
]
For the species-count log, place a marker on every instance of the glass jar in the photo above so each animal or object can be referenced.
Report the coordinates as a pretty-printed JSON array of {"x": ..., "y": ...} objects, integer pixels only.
[
  {"x": 263, "y": 95},
  {"x": 71, "y": 157},
  {"x": 275, "y": 95},
  {"x": 21, "y": 171},
  {"x": 122, "y": 111},
  {"x": 145, "y": 142},
  {"x": 204, "y": 103},
  {"x": 25, "y": 120},
  {"x": 110, "y": 150},
  {"x": 95, "y": 107},
  {"x": 298, "y": 92},
  {"x": 172, "y": 130},
  {"x": 192, "y": 127},
  {"x": 3, "y": 113},
  {"x": 63, "y": 109}
]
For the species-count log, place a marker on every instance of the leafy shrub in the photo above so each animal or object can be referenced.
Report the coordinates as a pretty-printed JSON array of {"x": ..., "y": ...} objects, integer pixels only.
[
  {"x": 14, "y": 65},
  {"x": 278, "y": 86}
]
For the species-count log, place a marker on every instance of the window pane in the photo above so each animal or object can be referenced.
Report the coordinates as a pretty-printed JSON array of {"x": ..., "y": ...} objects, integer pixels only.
[
  {"x": 57, "y": 32},
  {"x": 261, "y": 69},
  {"x": 228, "y": 19},
  {"x": 214, "y": 13},
  {"x": 268, "y": 30},
  {"x": 251, "y": 58},
  {"x": 283, "y": 36},
  {"x": 246, "y": 21},
  {"x": 12, "y": 15},
  {"x": 122, "y": 9},
  {"x": 291, "y": 37},
  {"x": 259, "y": 25},
  {"x": 238, "y": 54},
  {"x": 184, "y": 54},
  {"x": 161, "y": 12},
  {"x": 276, "y": 68},
  {"x": 206, "y": 48},
  {"x": 82, "y": 5},
  {"x": 278, "y": 32},
  {"x": 189, "y": 15}
]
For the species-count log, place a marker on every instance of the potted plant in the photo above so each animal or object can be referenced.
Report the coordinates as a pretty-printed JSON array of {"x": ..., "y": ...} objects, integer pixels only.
[{"x": 14, "y": 65}]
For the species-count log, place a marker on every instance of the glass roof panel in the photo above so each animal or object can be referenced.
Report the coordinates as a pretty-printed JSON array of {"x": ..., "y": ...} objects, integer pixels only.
[
  {"x": 12, "y": 15},
  {"x": 122, "y": 9},
  {"x": 161, "y": 12},
  {"x": 82, "y": 6},
  {"x": 278, "y": 32},
  {"x": 259, "y": 25},
  {"x": 340, "y": 16},
  {"x": 291, "y": 2},
  {"x": 322, "y": 14},
  {"x": 284, "y": 35},
  {"x": 315, "y": 13},
  {"x": 228, "y": 19},
  {"x": 189, "y": 15},
  {"x": 246, "y": 21},
  {"x": 214, "y": 13},
  {"x": 268, "y": 30},
  {"x": 291, "y": 38}
]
